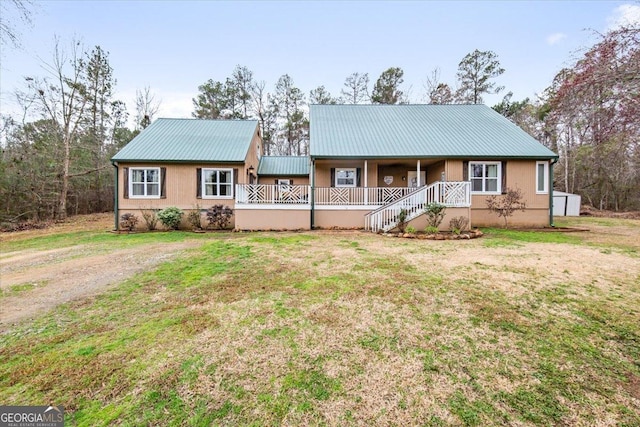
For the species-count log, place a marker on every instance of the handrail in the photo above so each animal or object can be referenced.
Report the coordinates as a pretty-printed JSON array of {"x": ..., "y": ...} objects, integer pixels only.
[
  {"x": 381, "y": 208},
  {"x": 455, "y": 194}
]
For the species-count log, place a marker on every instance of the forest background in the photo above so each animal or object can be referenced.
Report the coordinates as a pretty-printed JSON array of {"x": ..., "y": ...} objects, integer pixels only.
[{"x": 56, "y": 147}]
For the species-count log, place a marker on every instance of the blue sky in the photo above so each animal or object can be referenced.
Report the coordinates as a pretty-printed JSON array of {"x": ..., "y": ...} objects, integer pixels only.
[{"x": 173, "y": 47}]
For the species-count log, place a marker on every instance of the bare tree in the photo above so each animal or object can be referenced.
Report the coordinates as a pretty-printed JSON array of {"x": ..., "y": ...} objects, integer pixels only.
[
  {"x": 8, "y": 30},
  {"x": 437, "y": 92},
  {"x": 146, "y": 108},
  {"x": 61, "y": 98},
  {"x": 505, "y": 205},
  {"x": 357, "y": 88},
  {"x": 266, "y": 111}
]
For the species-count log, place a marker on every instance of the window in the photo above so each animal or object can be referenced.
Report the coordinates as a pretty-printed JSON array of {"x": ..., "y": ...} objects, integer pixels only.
[
  {"x": 345, "y": 177},
  {"x": 485, "y": 177},
  {"x": 542, "y": 177},
  {"x": 217, "y": 183},
  {"x": 144, "y": 182},
  {"x": 284, "y": 184}
]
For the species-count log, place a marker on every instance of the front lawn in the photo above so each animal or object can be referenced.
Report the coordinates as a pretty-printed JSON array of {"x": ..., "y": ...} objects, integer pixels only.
[{"x": 346, "y": 328}]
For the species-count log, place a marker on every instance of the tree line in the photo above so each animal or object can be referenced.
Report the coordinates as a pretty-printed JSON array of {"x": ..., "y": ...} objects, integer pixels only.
[
  {"x": 58, "y": 164},
  {"x": 283, "y": 112}
]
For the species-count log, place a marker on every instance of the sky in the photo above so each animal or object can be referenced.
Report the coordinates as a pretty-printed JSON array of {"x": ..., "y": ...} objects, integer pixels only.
[{"x": 172, "y": 47}]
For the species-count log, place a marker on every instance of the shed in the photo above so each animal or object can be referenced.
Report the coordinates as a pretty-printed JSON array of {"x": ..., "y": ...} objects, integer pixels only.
[{"x": 566, "y": 204}]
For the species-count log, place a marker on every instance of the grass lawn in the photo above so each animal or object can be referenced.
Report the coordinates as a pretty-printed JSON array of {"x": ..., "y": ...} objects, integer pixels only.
[{"x": 345, "y": 328}]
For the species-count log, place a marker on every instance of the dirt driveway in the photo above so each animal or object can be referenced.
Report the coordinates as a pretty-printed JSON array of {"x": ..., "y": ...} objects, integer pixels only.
[{"x": 34, "y": 280}]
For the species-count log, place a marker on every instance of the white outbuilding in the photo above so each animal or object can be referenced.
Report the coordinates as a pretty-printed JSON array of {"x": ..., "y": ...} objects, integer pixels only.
[{"x": 566, "y": 204}]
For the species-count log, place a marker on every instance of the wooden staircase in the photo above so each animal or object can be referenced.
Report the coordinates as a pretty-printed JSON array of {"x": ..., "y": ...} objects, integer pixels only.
[{"x": 450, "y": 194}]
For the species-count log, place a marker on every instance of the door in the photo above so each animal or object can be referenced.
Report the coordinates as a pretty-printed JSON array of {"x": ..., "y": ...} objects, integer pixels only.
[{"x": 412, "y": 179}]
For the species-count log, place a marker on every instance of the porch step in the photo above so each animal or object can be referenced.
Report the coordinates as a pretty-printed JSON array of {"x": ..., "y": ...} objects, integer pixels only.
[{"x": 450, "y": 194}]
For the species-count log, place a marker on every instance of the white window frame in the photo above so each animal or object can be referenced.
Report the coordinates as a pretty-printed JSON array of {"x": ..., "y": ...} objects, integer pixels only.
[
  {"x": 355, "y": 178},
  {"x": 545, "y": 182},
  {"x": 284, "y": 184},
  {"x": 217, "y": 184},
  {"x": 145, "y": 183},
  {"x": 498, "y": 178}
]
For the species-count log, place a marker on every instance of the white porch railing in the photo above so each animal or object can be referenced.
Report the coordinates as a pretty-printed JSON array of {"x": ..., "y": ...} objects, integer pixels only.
[
  {"x": 272, "y": 194},
  {"x": 365, "y": 196},
  {"x": 450, "y": 194}
]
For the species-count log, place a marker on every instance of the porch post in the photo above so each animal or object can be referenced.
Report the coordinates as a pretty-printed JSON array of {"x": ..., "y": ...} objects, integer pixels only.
[
  {"x": 116, "y": 193},
  {"x": 366, "y": 182},
  {"x": 418, "y": 173},
  {"x": 312, "y": 196}
]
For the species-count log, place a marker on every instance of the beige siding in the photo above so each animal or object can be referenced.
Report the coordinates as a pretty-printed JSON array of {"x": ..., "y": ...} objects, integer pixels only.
[
  {"x": 453, "y": 170},
  {"x": 273, "y": 219},
  {"x": 339, "y": 218},
  {"x": 520, "y": 174},
  {"x": 420, "y": 223},
  {"x": 398, "y": 172},
  {"x": 530, "y": 218},
  {"x": 372, "y": 173},
  {"x": 434, "y": 172},
  {"x": 252, "y": 158},
  {"x": 323, "y": 170},
  {"x": 181, "y": 187},
  {"x": 271, "y": 180}
]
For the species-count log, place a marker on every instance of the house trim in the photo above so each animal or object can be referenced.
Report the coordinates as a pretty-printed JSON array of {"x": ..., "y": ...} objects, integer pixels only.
[
  {"x": 273, "y": 206},
  {"x": 346, "y": 207}
]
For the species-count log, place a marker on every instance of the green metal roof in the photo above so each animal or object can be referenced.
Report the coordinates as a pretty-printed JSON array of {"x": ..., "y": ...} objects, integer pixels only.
[
  {"x": 190, "y": 140},
  {"x": 396, "y": 131},
  {"x": 284, "y": 165}
]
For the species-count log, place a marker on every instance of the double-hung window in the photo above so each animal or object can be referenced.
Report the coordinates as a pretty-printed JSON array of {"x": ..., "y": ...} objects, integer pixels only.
[
  {"x": 542, "y": 177},
  {"x": 144, "y": 182},
  {"x": 217, "y": 183},
  {"x": 345, "y": 177},
  {"x": 485, "y": 177}
]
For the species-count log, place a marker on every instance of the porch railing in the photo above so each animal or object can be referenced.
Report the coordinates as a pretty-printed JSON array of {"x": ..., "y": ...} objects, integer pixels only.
[
  {"x": 450, "y": 194},
  {"x": 366, "y": 196},
  {"x": 272, "y": 194}
]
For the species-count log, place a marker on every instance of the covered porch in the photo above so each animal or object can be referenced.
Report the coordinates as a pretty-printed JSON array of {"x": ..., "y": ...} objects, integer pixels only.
[{"x": 371, "y": 182}]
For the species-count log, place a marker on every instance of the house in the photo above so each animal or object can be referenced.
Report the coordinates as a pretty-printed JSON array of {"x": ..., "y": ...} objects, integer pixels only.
[
  {"x": 186, "y": 163},
  {"x": 366, "y": 163}
]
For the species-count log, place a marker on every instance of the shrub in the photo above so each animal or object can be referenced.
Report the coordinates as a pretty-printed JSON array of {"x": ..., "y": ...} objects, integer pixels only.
[
  {"x": 431, "y": 230},
  {"x": 219, "y": 216},
  {"x": 435, "y": 214},
  {"x": 171, "y": 217},
  {"x": 458, "y": 224},
  {"x": 128, "y": 221},
  {"x": 150, "y": 218},
  {"x": 411, "y": 229},
  {"x": 194, "y": 218},
  {"x": 402, "y": 220},
  {"x": 505, "y": 205}
]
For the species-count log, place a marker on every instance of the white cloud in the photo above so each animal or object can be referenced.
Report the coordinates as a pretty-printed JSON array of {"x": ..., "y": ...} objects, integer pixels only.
[
  {"x": 174, "y": 104},
  {"x": 555, "y": 38},
  {"x": 624, "y": 15}
]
